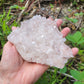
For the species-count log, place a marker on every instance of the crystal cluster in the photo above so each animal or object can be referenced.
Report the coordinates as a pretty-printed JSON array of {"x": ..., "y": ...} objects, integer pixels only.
[{"x": 39, "y": 40}]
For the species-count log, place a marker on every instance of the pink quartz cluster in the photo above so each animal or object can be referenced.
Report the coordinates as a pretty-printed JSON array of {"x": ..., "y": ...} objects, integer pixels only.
[{"x": 39, "y": 40}]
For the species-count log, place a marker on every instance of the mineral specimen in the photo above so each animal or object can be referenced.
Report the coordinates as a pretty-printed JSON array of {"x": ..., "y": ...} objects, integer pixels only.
[{"x": 39, "y": 40}]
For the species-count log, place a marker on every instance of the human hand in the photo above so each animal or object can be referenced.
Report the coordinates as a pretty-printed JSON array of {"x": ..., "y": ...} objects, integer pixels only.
[{"x": 14, "y": 70}]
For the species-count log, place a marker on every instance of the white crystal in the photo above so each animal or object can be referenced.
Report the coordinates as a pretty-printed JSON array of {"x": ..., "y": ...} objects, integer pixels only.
[
  {"x": 33, "y": 42},
  {"x": 39, "y": 40},
  {"x": 42, "y": 36}
]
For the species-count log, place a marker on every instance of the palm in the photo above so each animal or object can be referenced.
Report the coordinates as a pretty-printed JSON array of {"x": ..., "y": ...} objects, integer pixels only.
[
  {"x": 15, "y": 70},
  {"x": 19, "y": 69}
]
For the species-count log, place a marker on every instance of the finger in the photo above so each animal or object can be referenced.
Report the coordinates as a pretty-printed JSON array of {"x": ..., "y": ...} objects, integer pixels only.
[
  {"x": 65, "y": 31},
  {"x": 75, "y": 51},
  {"x": 59, "y": 22},
  {"x": 10, "y": 57},
  {"x": 13, "y": 28},
  {"x": 5, "y": 56},
  {"x": 8, "y": 44}
]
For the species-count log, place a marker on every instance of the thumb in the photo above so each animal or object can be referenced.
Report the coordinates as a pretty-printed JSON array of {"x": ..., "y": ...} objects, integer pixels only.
[{"x": 11, "y": 60}]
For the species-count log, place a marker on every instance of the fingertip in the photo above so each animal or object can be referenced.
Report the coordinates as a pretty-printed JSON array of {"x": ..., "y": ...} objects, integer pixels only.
[
  {"x": 75, "y": 51},
  {"x": 59, "y": 22},
  {"x": 65, "y": 31},
  {"x": 13, "y": 28}
]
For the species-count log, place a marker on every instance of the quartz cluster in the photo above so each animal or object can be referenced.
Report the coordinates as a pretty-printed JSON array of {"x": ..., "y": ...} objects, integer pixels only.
[{"x": 39, "y": 40}]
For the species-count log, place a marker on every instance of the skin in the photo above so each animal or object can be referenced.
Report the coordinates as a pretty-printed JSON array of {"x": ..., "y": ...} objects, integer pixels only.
[{"x": 14, "y": 70}]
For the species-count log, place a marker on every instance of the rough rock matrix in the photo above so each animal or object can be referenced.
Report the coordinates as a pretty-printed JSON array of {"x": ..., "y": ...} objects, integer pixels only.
[{"x": 39, "y": 40}]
